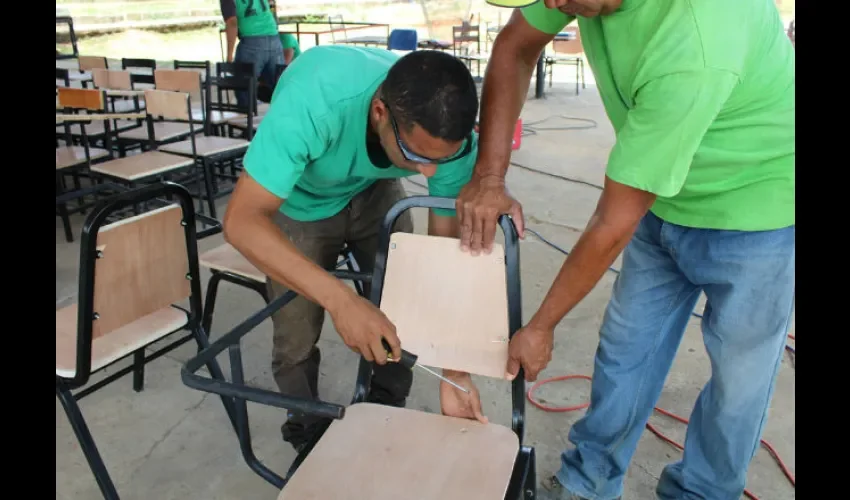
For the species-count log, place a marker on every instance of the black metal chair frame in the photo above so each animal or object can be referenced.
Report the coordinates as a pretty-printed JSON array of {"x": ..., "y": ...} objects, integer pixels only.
[
  {"x": 523, "y": 480},
  {"x": 88, "y": 255}
]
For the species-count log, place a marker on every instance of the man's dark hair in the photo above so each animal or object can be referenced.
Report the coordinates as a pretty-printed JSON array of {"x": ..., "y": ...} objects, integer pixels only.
[{"x": 434, "y": 90}]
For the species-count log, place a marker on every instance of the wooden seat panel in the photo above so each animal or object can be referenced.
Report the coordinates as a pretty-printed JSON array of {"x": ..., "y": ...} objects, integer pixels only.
[
  {"x": 227, "y": 259},
  {"x": 69, "y": 156},
  {"x": 119, "y": 343},
  {"x": 142, "y": 165},
  {"x": 379, "y": 452},
  {"x": 205, "y": 146}
]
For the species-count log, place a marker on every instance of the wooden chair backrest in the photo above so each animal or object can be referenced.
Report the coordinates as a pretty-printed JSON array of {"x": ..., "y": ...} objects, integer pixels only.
[
  {"x": 167, "y": 104},
  {"x": 88, "y": 63},
  {"x": 466, "y": 33},
  {"x": 178, "y": 80},
  {"x": 450, "y": 308},
  {"x": 112, "y": 79},
  {"x": 90, "y": 99},
  {"x": 142, "y": 268}
]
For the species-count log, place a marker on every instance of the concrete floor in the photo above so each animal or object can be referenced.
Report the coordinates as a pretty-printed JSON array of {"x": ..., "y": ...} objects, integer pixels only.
[{"x": 171, "y": 442}]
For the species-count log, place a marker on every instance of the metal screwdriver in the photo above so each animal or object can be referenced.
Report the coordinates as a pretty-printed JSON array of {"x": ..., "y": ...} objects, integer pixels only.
[{"x": 408, "y": 360}]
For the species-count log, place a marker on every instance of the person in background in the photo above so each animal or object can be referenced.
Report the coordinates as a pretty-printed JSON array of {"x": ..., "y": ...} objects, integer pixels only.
[
  {"x": 255, "y": 25},
  {"x": 291, "y": 48}
]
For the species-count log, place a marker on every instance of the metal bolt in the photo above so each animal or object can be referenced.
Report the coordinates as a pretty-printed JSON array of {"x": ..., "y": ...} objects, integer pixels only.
[
  {"x": 392, "y": 246},
  {"x": 98, "y": 254},
  {"x": 183, "y": 223},
  {"x": 95, "y": 316},
  {"x": 188, "y": 276}
]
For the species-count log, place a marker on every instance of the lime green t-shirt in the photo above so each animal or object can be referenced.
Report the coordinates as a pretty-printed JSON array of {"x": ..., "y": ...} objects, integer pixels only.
[
  {"x": 310, "y": 148},
  {"x": 289, "y": 41},
  {"x": 701, "y": 96}
]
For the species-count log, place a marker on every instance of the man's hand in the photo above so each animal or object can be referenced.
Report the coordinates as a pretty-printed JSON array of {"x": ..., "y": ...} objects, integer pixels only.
[
  {"x": 456, "y": 403},
  {"x": 531, "y": 348},
  {"x": 362, "y": 325},
  {"x": 479, "y": 205}
]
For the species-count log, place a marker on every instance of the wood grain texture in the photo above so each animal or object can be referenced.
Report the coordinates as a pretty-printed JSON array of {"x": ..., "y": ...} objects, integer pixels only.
[
  {"x": 80, "y": 98},
  {"x": 177, "y": 80},
  {"x": 113, "y": 79},
  {"x": 142, "y": 165},
  {"x": 142, "y": 270},
  {"x": 450, "y": 308},
  {"x": 379, "y": 452},
  {"x": 167, "y": 104}
]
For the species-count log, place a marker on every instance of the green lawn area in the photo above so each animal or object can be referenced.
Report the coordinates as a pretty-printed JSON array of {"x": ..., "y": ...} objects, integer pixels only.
[{"x": 201, "y": 44}]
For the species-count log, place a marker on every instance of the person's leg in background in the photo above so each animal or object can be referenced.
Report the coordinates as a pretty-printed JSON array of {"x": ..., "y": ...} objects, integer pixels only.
[
  {"x": 391, "y": 382},
  {"x": 272, "y": 58},
  {"x": 749, "y": 287},
  {"x": 250, "y": 49},
  {"x": 297, "y": 325},
  {"x": 640, "y": 334}
]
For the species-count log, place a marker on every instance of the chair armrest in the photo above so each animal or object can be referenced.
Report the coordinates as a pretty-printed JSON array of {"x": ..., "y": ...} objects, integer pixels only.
[{"x": 241, "y": 391}]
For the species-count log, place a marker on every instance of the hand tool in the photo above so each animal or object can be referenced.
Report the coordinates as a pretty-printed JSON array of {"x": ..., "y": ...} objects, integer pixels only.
[{"x": 408, "y": 360}]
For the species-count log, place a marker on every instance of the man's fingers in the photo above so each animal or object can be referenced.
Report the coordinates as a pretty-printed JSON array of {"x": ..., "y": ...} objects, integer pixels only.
[
  {"x": 513, "y": 368},
  {"x": 518, "y": 218},
  {"x": 489, "y": 233},
  {"x": 530, "y": 371},
  {"x": 476, "y": 408},
  {"x": 394, "y": 342},
  {"x": 477, "y": 231},
  {"x": 378, "y": 351}
]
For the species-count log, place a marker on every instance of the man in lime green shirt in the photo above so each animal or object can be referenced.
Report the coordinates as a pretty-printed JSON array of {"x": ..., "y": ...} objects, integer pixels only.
[
  {"x": 291, "y": 47},
  {"x": 699, "y": 196},
  {"x": 344, "y": 125}
]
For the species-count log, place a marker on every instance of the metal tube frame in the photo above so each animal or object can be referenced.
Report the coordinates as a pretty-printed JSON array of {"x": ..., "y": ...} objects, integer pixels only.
[
  {"x": 86, "y": 315},
  {"x": 523, "y": 478}
]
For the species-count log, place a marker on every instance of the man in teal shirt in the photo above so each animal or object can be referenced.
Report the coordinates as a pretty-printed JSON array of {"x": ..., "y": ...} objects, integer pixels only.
[
  {"x": 254, "y": 23},
  {"x": 344, "y": 125},
  {"x": 699, "y": 196},
  {"x": 291, "y": 47}
]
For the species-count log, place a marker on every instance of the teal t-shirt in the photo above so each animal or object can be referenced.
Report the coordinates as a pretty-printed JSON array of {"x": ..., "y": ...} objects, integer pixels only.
[
  {"x": 310, "y": 148},
  {"x": 289, "y": 41},
  {"x": 701, "y": 95},
  {"x": 253, "y": 17}
]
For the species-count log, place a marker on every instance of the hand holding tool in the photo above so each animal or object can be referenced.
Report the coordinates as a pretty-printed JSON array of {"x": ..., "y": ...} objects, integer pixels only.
[{"x": 408, "y": 360}]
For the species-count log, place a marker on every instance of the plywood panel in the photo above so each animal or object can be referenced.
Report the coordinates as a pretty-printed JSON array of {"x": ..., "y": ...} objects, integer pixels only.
[
  {"x": 449, "y": 307},
  {"x": 385, "y": 453}
]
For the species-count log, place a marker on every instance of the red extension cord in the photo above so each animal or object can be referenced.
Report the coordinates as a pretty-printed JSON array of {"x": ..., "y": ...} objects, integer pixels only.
[{"x": 530, "y": 396}]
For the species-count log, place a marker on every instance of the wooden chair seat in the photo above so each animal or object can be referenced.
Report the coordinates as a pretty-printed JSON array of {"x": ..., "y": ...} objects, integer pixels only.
[
  {"x": 162, "y": 131},
  {"x": 243, "y": 122},
  {"x": 381, "y": 453},
  {"x": 142, "y": 165},
  {"x": 226, "y": 258},
  {"x": 69, "y": 156},
  {"x": 216, "y": 117},
  {"x": 205, "y": 146},
  {"x": 109, "y": 348}
]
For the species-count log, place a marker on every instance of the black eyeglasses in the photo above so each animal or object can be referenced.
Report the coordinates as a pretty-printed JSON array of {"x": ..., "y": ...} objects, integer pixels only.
[{"x": 411, "y": 156}]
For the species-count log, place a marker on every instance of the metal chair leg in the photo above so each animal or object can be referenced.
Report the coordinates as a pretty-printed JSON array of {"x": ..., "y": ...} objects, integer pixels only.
[{"x": 81, "y": 430}]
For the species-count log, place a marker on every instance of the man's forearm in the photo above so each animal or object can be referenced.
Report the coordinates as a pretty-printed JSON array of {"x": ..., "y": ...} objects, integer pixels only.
[
  {"x": 591, "y": 257},
  {"x": 231, "y": 31},
  {"x": 506, "y": 82},
  {"x": 260, "y": 240}
]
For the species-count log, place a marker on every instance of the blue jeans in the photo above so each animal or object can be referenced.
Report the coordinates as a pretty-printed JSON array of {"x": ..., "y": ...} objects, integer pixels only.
[
  {"x": 749, "y": 282},
  {"x": 265, "y": 52}
]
